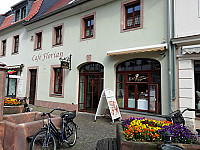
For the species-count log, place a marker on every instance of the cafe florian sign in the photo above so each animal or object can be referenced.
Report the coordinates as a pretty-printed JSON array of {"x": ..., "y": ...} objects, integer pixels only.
[{"x": 46, "y": 56}]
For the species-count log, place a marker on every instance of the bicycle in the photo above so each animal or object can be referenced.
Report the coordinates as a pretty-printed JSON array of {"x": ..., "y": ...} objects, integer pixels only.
[
  {"x": 177, "y": 118},
  {"x": 26, "y": 107},
  {"x": 49, "y": 137}
]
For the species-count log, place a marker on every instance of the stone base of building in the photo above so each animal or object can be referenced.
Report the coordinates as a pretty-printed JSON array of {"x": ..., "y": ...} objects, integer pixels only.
[{"x": 48, "y": 104}]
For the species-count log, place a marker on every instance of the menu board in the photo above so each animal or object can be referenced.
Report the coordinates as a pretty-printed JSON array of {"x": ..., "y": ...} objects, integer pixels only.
[{"x": 108, "y": 101}]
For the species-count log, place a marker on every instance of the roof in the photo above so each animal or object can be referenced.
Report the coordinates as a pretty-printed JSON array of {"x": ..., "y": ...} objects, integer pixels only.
[
  {"x": 2, "y": 17},
  {"x": 60, "y": 4},
  {"x": 8, "y": 21},
  {"x": 46, "y": 5},
  {"x": 34, "y": 10}
]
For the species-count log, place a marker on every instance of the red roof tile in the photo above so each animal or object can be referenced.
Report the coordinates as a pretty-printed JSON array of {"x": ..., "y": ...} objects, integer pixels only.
[
  {"x": 8, "y": 21},
  {"x": 60, "y": 4},
  {"x": 34, "y": 10}
]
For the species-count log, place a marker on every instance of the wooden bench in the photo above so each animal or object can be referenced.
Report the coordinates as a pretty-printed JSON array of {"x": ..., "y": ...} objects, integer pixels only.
[{"x": 107, "y": 144}]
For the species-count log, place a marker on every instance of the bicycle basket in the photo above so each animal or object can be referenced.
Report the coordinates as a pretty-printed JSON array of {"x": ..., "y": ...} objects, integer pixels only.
[{"x": 68, "y": 115}]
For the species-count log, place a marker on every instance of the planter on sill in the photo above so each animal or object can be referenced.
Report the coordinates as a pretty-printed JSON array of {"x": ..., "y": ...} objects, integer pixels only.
[
  {"x": 13, "y": 109},
  {"x": 123, "y": 144}
]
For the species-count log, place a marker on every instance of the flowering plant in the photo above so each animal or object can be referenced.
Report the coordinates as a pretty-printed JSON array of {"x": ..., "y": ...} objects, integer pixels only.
[
  {"x": 12, "y": 102},
  {"x": 141, "y": 129},
  {"x": 179, "y": 134}
]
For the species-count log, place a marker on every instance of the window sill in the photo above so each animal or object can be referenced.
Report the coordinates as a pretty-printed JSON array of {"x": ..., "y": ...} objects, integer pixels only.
[
  {"x": 3, "y": 56},
  {"x": 15, "y": 53},
  {"x": 56, "y": 95},
  {"x": 57, "y": 45},
  {"x": 131, "y": 29},
  {"x": 37, "y": 49},
  {"x": 87, "y": 38}
]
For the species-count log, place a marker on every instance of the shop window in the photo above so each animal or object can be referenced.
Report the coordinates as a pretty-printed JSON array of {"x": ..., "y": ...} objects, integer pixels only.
[
  {"x": 38, "y": 40},
  {"x": 57, "y": 81},
  {"x": 11, "y": 84},
  {"x": 23, "y": 13},
  {"x": 3, "y": 48},
  {"x": 16, "y": 44},
  {"x": 138, "y": 85},
  {"x": 88, "y": 26},
  {"x": 58, "y": 35},
  {"x": 197, "y": 86},
  {"x": 131, "y": 12}
]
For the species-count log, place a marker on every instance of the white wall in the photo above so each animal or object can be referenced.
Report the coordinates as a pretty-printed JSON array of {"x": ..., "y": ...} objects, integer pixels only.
[{"x": 187, "y": 16}]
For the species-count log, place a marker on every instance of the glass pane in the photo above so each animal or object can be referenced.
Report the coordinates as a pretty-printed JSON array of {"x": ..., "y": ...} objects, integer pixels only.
[
  {"x": 130, "y": 10},
  {"x": 88, "y": 23},
  {"x": 142, "y": 102},
  {"x": 129, "y": 21},
  {"x": 6, "y": 87},
  {"x": 137, "y": 77},
  {"x": 152, "y": 97},
  {"x": 120, "y": 94},
  {"x": 139, "y": 64},
  {"x": 82, "y": 78},
  {"x": 155, "y": 78},
  {"x": 81, "y": 98},
  {"x": 131, "y": 96},
  {"x": 12, "y": 87},
  {"x": 92, "y": 22},
  {"x": 120, "y": 78},
  {"x": 81, "y": 107},
  {"x": 92, "y": 67},
  {"x": 92, "y": 31},
  {"x": 137, "y": 20},
  {"x": 87, "y": 32},
  {"x": 137, "y": 8}
]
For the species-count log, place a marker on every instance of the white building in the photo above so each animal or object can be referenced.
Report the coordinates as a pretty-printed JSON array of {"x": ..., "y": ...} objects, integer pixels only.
[
  {"x": 114, "y": 44},
  {"x": 187, "y": 40}
]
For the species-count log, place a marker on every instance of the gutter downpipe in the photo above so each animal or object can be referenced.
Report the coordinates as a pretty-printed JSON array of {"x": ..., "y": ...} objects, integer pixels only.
[
  {"x": 174, "y": 52},
  {"x": 169, "y": 54}
]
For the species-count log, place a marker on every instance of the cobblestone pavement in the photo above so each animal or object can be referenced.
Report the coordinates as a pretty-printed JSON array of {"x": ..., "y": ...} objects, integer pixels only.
[{"x": 89, "y": 132}]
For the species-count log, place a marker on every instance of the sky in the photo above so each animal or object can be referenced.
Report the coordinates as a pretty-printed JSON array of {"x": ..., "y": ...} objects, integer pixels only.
[{"x": 6, "y": 4}]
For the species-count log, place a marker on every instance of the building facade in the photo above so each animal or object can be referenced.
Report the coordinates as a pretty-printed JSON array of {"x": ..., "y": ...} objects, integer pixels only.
[
  {"x": 186, "y": 39},
  {"x": 118, "y": 44}
]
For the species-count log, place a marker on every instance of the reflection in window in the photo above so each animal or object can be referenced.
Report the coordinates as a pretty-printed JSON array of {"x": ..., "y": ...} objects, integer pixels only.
[
  {"x": 58, "y": 80},
  {"x": 197, "y": 85}
]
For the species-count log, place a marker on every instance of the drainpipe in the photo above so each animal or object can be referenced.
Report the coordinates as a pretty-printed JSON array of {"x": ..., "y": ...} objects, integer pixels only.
[
  {"x": 174, "y": 52},
  {"x": 169, "y": 53}
]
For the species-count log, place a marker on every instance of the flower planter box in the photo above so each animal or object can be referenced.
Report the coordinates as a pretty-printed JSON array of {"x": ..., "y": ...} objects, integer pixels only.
[
  {"x": 13, "y": 109},
  {"x": 123, "y": 144}
]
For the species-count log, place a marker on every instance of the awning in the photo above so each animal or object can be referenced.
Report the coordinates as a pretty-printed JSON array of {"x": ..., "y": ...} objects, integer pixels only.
[
  {"x": 17, "y": 67},
  {"x": 142, "y": 49}
]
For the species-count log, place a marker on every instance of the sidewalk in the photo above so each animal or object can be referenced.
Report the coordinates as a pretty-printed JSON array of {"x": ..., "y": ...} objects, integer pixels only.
[{"x": 89, "y": 132}]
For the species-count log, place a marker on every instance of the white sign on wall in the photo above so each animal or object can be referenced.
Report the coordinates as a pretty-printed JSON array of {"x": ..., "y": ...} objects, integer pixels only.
[
  {"x": 20, "y": 85},
  {"x": 108, "y": 100}
]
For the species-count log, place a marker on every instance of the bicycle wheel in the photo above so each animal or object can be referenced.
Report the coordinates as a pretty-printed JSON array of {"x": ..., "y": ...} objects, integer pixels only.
[
  {"x": 70, "y": 133},
  {"x": 43, "y": 141}
]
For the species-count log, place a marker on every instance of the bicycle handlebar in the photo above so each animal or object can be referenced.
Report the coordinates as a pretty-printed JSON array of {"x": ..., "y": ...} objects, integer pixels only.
[{"x": 44, "y": 114}]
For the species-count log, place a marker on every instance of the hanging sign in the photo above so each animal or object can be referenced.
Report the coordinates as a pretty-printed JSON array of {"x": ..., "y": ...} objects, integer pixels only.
[
  {"x": 108, "y": 101},
  {"x": 64, "y": 65}
]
